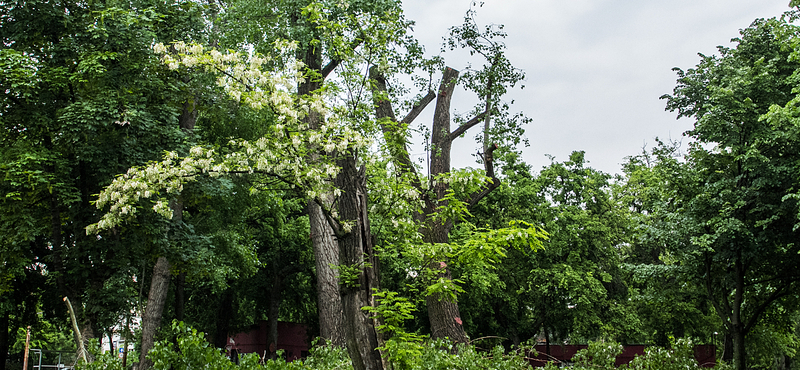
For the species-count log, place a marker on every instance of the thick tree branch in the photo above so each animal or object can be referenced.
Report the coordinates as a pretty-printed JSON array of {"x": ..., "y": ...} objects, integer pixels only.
[
  {"x": 714, "y": 302},
  {"x": 325, "y": 71},
  {"x": 330, "y": 67},
  {"x": 393, "y": 132},
  {"x": 466, "y": 126},
  {"x": 488, "y": 164},
  {"x": 419, "y": 107},
  {"x": 781, "y": 292}
]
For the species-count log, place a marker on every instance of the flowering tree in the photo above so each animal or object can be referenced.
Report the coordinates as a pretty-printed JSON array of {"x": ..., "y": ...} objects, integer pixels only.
[{"x": 302, "y": 153}]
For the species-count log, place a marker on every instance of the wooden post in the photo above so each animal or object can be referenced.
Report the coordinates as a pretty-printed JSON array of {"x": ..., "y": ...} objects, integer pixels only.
[
  {"x": 81, "y": 350},
  {"x": 27, "y": 347}
]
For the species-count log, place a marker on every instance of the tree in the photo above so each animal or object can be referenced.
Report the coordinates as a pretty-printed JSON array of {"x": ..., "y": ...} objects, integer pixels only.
[
  {"x": 572, "y": 290},
  {"x": 80, "y": 103},
  {"x": 334, "y": 145},
  {"x": 665, "y": 297},
  {"x": 732, "y": 212},
  {"x": 442, "y": 205},
  {"x": 282, "y": 154},
  {"x": 330, "y": 37}
]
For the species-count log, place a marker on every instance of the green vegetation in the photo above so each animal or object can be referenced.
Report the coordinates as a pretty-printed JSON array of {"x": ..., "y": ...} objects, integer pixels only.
[{"x": 212, "y": 164}]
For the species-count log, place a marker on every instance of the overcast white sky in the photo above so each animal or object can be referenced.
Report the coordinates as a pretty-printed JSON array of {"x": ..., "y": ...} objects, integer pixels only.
[{"x": 595, "y": 68}]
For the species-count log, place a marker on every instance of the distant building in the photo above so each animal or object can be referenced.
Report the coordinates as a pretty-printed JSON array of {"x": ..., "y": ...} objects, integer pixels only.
[
  {"x": 704, "y": 354},
  {"x": 292, "y": 339},
  {"x": 117, "y": 343}
]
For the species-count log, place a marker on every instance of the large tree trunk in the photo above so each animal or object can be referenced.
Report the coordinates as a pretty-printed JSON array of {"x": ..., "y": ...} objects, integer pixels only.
[
  {"x": 738, "y": 330},
  {"x": 739, "y": 353},
  {"x": 443, "y": 313},
  {"x": 326, "y": 256},
  {"x": 727, "y": 348},
  {"x": 356, "y": 255},
  {"x": 326, "y": 250},
  {"x": 445, "y": 317},
  {"x": 159, "y": 287}
]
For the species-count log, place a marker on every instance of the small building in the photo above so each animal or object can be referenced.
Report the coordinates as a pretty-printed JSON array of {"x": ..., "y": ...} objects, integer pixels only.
[
  {"x": 704, "y": 354},
  {"x": 292, "y": 339}
]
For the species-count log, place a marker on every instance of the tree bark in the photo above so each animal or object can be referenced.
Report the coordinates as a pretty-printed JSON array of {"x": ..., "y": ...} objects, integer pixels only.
[
  {"x": 326, "y": 256},
  {"x": 739, "y": 354},
  {"x": 326, "y": 250},
  {"x": 727, "y": 349},
  {"x": 443, "y": 313},
  {"x": 110, "y": 340},
  {"x": 159, "y": 287},
  {"x": 357, "y": 256},
  {"x": 445, "y": 318},
  {"x": 737, "y": 325}
]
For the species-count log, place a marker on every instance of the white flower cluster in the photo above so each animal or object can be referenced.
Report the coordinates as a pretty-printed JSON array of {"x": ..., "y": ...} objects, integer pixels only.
[
  {"x": 285, "y": 154},
  {"x": 462, "y": 181}
]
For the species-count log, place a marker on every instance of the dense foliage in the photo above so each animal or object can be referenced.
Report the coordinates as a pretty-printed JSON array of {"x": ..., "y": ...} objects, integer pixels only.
[{"x": 222, "y": 163}]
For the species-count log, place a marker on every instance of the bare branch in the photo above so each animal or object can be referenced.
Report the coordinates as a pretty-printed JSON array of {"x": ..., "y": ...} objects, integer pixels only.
[
  {"x": 466, "y": 126},
  {"x": 393, "y": 135},
  {"x": 419, "y": 107}
]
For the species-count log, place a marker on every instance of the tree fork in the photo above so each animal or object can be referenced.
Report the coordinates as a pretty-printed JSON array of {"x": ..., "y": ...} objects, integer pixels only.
[{"x": 444, "y": 314}]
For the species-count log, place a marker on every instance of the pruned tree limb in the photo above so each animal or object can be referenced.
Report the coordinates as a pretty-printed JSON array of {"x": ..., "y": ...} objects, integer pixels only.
[
  {"x": 488, "y": 163},
  {"x": 419, "y": 107},
  {"x": 394, "y": 137},
  {"x": 466, "y": 126}
]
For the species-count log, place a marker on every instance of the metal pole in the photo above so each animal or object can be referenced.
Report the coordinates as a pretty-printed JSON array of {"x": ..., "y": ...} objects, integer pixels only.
[{"x": 27, "y": 346}]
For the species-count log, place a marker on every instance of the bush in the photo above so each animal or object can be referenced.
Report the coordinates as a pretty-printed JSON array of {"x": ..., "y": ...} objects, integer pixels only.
[{"x": 439, "y": 355}]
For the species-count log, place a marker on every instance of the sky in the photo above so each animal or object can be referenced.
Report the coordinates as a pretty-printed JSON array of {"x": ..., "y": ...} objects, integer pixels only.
[{"x": 595, "y": 69}]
